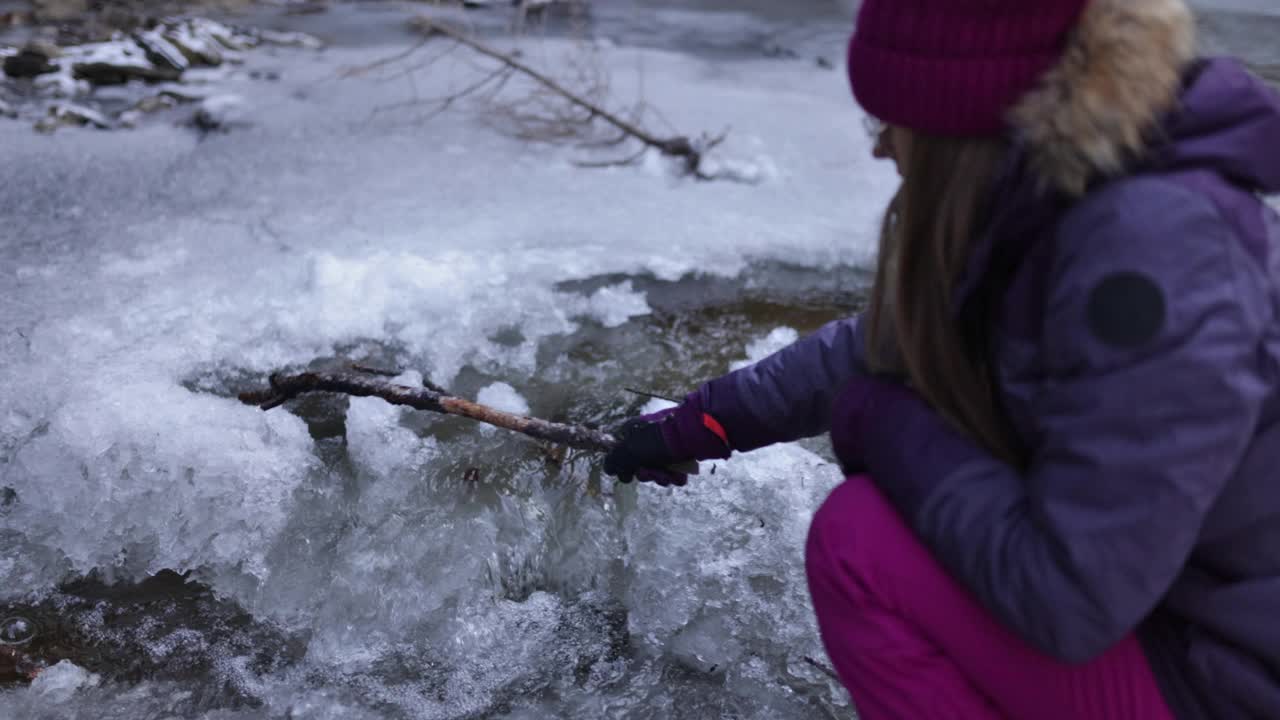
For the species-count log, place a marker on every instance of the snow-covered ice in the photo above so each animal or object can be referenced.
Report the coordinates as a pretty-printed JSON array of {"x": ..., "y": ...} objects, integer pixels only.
[
  {"x": 58, "y": 683},
  {"x": 502, "y": 396},
  {"x": 760, "y": 348}
]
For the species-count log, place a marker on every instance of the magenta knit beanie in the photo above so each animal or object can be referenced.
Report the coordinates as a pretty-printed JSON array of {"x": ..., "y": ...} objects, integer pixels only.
[{"x": 954, "y": 67}]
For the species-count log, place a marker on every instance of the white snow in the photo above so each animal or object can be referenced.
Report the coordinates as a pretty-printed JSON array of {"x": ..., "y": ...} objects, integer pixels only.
[
  {"x": 611, "y": 306},
  {"x": 61, "y": 83},
  {"x": 223, "y": 111},
  {"x": 760, "y": 348},
  {"x": 655, "y": 405},
  {"x": 58, "y": 683},
  {"x": 121, "y": 52},
  {"x": 80, "y": 113},
  {"x": 502, "y": 396}
]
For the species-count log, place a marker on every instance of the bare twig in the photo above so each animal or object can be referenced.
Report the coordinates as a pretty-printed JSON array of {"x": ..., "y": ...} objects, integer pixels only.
[
  {"x": 620, "y": 162},
  {"x": 366, "y": 384},
  {"x": 371, "y": 370},
  {"x": 389, "y": 60},
  {"x": 821, "y": 667},
  {"x": 656, "y": 396},
  {"x": 676, "y": 146}
]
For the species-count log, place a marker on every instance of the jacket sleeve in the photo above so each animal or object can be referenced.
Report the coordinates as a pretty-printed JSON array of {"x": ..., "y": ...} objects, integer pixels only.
[
  {"x": 787, "y": 395},
  {"x": 1137, "y": 428}
]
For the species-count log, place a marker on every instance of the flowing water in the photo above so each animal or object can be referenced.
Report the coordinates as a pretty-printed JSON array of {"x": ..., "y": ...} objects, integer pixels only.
[{"x": 189, "y": 556}]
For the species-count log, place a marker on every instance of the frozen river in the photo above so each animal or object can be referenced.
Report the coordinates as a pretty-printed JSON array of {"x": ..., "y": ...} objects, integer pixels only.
[{"x": 351, "y": 560}]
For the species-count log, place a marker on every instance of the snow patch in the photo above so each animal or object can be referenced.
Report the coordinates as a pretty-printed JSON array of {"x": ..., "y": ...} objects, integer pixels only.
[
  {"x": 502, "y": 396},
  {"x": 58, "y": 683},
  {"x": 222, "y": 112},
  {"x": 612, "y": 305},
  {"x": 656, "y": 405},
  {"x": 763, "y": 347}
]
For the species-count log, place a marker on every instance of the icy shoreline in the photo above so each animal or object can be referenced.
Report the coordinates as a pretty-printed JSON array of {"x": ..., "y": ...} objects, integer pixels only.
[{"x": 149, "y": 272}]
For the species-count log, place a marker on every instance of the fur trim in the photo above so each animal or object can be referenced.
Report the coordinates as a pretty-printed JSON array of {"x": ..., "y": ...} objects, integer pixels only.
[{"x": 1095, "y": 110}]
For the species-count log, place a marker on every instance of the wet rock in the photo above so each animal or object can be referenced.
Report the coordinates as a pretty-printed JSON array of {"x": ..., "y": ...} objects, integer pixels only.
[
  {"x": 165, "y": 628},
  {"x": 34, "y": 59},
  {"x": 7, "y": 111},
  {"x": 117, "y": 62},
  {"x": 70, "y": 115},
  {"x": 161, "y": 52},
  {"x": 205, "y": 42},
  {"x": 198, "y": 47}
]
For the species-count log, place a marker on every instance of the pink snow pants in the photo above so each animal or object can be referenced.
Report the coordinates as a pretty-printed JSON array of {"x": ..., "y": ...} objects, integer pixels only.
[{"x": 909, "y": 643}]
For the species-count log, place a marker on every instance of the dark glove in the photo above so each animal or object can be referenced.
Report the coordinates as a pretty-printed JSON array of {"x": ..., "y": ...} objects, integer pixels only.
[
  {"x": 643, "y": 453},
  {"x": 664, "y": 447}
]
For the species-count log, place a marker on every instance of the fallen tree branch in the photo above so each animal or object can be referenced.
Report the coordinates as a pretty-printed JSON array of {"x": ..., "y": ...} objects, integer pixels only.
[
  {"x": 681, "y": 147},
  {"x": 367, "y": 382}
]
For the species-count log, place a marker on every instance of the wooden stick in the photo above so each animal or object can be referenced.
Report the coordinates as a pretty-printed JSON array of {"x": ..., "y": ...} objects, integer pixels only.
[{"x": 369, "y": 384}]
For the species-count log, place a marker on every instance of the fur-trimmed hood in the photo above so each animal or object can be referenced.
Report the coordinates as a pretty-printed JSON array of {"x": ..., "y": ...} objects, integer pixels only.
[{"x": 1120, "y": 73}]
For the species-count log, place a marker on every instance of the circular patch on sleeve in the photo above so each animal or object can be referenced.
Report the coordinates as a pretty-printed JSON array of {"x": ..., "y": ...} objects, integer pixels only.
[{"x": 1126, "y": 310}]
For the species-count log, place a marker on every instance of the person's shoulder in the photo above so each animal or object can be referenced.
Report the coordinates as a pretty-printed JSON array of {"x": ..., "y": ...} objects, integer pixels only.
[
  {"x": 1135, "y": 212},
  {"x": 1154, "y": 223},
  {"x": 1140, "y": 262}
]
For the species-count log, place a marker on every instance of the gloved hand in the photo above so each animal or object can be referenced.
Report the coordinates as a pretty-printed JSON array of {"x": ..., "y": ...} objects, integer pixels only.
[
  {"x": 651, "y": 447},
  {"x": 642, "y": 453}
]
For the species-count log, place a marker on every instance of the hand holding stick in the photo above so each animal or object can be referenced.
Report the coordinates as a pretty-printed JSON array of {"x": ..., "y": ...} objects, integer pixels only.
[{"x": 362, "y": 381}]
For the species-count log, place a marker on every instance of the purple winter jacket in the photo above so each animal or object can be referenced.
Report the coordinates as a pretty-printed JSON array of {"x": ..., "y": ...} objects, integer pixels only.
[{"x": 1135, "y": 334}]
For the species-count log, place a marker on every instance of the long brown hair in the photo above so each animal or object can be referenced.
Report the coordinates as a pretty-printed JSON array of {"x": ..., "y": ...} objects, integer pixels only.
[{"x": 928, "y": 232}]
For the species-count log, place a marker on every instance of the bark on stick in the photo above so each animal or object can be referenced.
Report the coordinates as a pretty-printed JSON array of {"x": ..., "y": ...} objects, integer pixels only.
[{"x": 367, "y": 383}]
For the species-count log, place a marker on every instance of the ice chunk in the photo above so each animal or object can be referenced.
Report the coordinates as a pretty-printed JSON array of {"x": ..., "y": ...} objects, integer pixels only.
[
  {"x": 148, "y": 474},
  {"x": 655, "y": 405},
  {"x": 502, "y": 396},
  {"x": 617, "y": 304},
  {"x": 58, "y": 683},
  {"x": 612, "y": 305}
]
